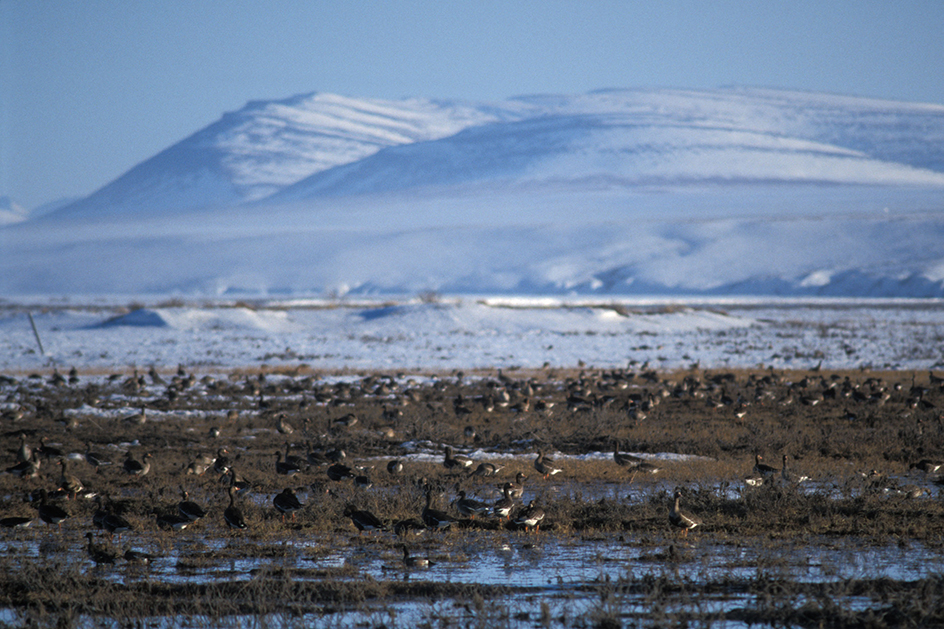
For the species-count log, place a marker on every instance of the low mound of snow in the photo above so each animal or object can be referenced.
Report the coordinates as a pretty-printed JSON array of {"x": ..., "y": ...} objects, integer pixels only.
[
  {"x": 204, "y": 319},
  {"x": 141, "y": 317}
]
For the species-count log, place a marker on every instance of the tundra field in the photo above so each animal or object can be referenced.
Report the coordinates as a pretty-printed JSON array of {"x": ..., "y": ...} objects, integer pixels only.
[{"x": 118, "y": 510}]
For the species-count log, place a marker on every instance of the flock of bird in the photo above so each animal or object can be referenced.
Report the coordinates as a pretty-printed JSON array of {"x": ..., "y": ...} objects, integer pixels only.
[
  {"x": 581, "y": 396},
  {"x": 508, "y": 508}
]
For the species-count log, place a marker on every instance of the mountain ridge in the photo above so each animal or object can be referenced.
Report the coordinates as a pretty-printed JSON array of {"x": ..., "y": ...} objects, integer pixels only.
[
  {"x": 742, "y": 191},
  {"x": 266, "y": 151}
]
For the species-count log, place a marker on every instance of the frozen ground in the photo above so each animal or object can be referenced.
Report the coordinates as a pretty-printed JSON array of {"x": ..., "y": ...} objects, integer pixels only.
[{"x": 466, "y": 332}]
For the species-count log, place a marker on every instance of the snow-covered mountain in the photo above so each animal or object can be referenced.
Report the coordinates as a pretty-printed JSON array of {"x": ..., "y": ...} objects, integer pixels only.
[
  {"x": 747, "y": 191},
  {"x": 323, "y": 144},
  {"x": 632, "y": 138},
  {"x": 266, "y": 146}
]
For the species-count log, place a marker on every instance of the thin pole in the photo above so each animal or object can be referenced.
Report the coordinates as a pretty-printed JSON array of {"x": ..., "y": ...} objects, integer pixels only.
[{"x": 36, "y": 333}]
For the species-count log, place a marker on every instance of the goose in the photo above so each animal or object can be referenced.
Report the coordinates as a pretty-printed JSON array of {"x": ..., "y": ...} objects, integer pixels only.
[
  {"x": 410, "y": 527},
  {"x": 339, "y": 472},
  {"x": 67, "y": 482},
  {"x": 624, "y": 459},
  {"x": 433, "y": 518},
  {"x": 645, "y": 468},
  {"x": 112, "y": 523},
  {"x": 50, "y": 513},
  {"x": 545, "y": 466},
  {"x": 486, "y": 469},
  {"x": 221, "y": 461},
  {"x": 138, "y": 558},
  {"x": 364, "y": 520},
  {"x": 294, "y": 459},
  {"x": 284, "y": 467},
  {"x": 188, "y": 508},
  {"x": 336, "y": 455},
  {"x": 928, "y": 465},
  {"x": 531, "y": 517},
  {"x": 414, "y": 562},
  {"x": 26, "y": 469},
  {"x": 173, "y": 521},
  {"x": 24, "y": 452},
  {"x": 458, "y": 461},
  {"x": 502, "y": 508},
  {"x": 138, "y": 468},
  {"x": 788, "y": 476},
  {"x": 283, "y": 426},
  {"x": 470, "y": 507},
  {"x": 99, "y": 554},
  {"x": 95, "y": 459},
  {"x": 682, "y": 520},
  {"x": 232, "y": 515},
  {"x": 516, "y": 487},
  {"x": 287, "y": 503},
  {"x": 241, "y": 484},
  {"x": 47, "y": 451},
  {"x": 762, "y": 468},
  {"x": 16, "y": 522},
  {"x": 137, "y": 419}
]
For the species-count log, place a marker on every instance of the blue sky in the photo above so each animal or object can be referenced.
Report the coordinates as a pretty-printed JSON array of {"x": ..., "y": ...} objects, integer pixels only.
[{"x": 90, "y": 88}]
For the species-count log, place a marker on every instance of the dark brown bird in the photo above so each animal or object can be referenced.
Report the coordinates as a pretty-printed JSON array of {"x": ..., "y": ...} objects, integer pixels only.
[
  {"x": 50, "y": 513},
  {"x": 232, "y": 515},
  {"x": 287, "y": 503},
  {"x": 97, "y": 553},
  {"x": 682, "y": 520}
]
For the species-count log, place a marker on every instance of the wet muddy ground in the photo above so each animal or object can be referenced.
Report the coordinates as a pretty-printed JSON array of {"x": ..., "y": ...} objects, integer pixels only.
[{"x": 851, "y": 535}]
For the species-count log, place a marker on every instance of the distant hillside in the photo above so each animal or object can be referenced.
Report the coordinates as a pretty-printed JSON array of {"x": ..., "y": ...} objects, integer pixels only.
[
  {"x": 721, "y": 192},
  {"x": 267, "y": 146},
  {"x": 323, "y": 144}
]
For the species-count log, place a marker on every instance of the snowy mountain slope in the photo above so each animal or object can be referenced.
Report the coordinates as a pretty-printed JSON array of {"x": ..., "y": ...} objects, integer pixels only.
[
  {"x": 633, "y": 138},
  {"x": 732, "y": 191},
  {"x": 266, "y": 146},
  {"x": 293, "y": 148}
]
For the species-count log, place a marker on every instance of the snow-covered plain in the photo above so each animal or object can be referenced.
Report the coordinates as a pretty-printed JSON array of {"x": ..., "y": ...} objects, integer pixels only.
[{"x": 440, "y": 333}]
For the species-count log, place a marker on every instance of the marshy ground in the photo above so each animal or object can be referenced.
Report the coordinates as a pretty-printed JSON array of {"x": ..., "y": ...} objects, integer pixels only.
[{"x": 859, "y": 543}]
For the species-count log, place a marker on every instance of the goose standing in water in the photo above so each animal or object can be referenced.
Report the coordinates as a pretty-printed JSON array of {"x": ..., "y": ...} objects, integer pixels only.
[
  {"x": 682, "y": 520},
  {"x": 97, "y": 553},
  {"x": 414, "y": 562}
]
